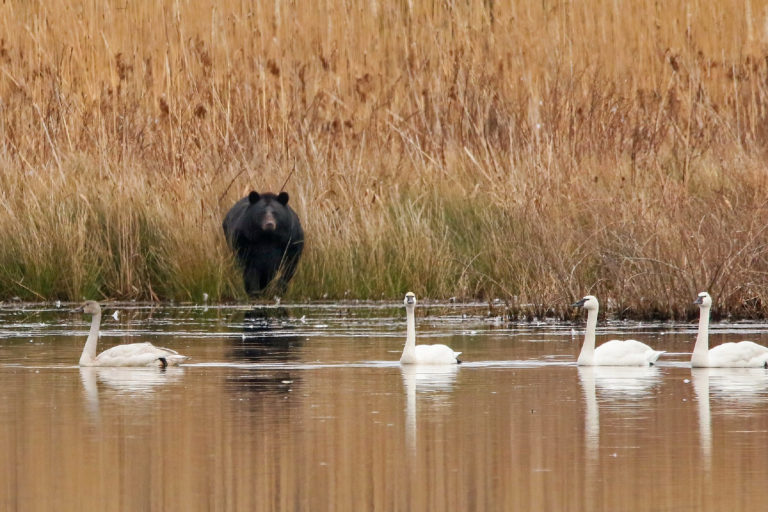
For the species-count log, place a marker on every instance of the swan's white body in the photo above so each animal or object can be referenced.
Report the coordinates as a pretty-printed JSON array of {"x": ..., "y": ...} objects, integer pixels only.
[
  {"x": 134, "y": 354},
  {"x": 613, "y": 352},
  {"x": 742, "y": 354},
  {"x": 423, "y": 354}
]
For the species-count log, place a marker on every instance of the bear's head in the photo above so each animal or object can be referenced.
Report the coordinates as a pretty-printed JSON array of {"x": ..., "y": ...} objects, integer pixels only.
[{"x": 268, "y": 213}]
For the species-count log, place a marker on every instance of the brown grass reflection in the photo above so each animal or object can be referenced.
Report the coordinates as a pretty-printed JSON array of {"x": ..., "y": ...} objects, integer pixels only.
[{"x": 337, "y": 438}]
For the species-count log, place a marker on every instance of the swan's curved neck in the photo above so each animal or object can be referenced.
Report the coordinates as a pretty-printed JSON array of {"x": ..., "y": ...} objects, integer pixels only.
[
  {"x": 587, "y": 354},
  {"x": 409, "y": 352},
  {"x": 700, "y": 355},
  {"x": 89, "y": 351}
]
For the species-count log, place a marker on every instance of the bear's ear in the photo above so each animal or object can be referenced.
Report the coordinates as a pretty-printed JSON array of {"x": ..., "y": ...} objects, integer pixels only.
[
  {"x": 282, "y": 198},
  {"x": 253, "y": 197}
]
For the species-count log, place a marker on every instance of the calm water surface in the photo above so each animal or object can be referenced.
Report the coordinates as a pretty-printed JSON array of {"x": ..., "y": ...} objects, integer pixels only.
[{"x": 309, "y": 410}]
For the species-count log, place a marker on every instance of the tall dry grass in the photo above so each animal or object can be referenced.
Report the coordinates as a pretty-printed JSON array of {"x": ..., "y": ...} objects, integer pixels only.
[{"x": 533, "y": 151}]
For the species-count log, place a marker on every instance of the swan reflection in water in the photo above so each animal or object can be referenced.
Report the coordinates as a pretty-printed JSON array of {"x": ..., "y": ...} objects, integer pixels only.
[
  {"x": 621, "y": 386},
  {"x": 739, "y": 389},
  {"x": 435, "y": 380},
  {"x": 126, "y": 381}
]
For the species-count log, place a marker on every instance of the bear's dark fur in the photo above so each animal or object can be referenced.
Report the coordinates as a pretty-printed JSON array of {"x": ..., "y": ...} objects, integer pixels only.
[{"x": 266, "y": 235}]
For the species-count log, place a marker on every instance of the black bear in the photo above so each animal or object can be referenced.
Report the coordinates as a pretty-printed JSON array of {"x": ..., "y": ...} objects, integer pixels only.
[{"x": 266, "y": 235}]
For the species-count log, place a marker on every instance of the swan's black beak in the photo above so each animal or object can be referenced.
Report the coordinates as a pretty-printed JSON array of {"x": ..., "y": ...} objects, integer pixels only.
[
  {"x": 579, "y": 304},
  {"x": 77, "y": 310},
  {"x": 699, "y": 300}
]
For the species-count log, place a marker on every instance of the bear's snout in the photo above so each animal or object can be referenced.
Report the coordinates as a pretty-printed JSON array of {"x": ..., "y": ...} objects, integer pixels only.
[{"x": 269, "y": 223}]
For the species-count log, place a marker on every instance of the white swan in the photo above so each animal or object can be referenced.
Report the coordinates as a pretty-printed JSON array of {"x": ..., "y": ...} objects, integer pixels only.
[
  {"x": 423, "y": 354},
  {"x": 742, "y": 354},
  {"x": 134, "y": 354},
  {"x": 614, "y": 352}
]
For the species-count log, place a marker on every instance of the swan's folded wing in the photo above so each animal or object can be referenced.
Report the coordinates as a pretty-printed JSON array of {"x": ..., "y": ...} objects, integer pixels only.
[
  {"x": 435, "y": 354},
  {"x": 625, "y": 353},
  {"x": 138, "y": 359},
  {"x": 743, "y": 354},
  {"x": 137, "y": 354}
]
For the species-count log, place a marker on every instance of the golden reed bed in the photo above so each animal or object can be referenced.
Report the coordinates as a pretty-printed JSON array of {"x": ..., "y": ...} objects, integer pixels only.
[{"x": 531, "y": 151}]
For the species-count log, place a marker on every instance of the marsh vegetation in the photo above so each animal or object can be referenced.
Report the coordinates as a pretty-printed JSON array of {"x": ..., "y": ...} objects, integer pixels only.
[{"x": 534, "y": 152}]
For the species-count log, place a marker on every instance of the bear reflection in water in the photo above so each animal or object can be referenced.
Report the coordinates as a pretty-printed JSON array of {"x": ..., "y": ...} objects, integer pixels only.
[
  {"x": 266, "y": 340},
  {"x": 267, "y": 238}
]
